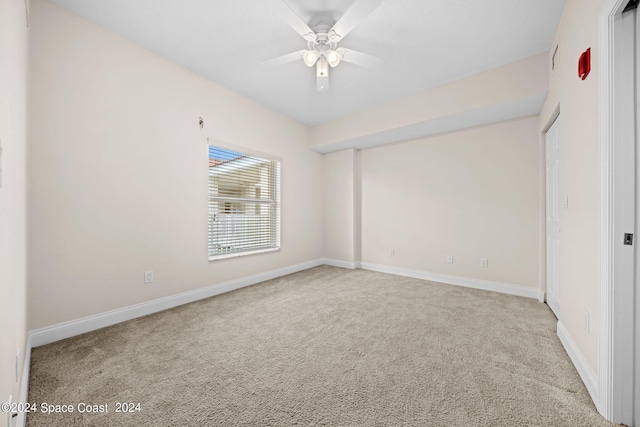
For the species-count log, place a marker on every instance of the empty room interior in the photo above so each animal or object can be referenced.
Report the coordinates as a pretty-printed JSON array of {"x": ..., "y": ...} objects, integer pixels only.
[{"x": 286, "y": 212}]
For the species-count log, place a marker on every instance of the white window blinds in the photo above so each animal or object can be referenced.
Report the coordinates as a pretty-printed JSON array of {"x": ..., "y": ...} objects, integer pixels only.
[{"x": 244, "y": 203}]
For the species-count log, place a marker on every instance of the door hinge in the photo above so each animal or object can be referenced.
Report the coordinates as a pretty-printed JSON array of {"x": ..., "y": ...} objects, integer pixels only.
[{"x": 628, "y": 238}]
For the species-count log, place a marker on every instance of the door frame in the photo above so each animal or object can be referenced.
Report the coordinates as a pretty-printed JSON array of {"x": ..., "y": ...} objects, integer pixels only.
[
  {"x": 613, "y": 363},
  {"x": 552, "y": 120}
]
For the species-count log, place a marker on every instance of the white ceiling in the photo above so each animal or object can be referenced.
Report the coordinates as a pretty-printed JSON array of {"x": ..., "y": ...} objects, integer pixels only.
[{"x": 422, "y": 44}]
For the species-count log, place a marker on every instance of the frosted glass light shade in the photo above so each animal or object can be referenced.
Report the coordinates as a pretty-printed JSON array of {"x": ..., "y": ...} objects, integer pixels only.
[
  {"x": 310, "y": 57},
  {"x": 333, "y": 57}
]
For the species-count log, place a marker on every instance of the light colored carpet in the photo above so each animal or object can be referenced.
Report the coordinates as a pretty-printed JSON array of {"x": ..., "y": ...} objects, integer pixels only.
[{"x": 323, "y": 347}]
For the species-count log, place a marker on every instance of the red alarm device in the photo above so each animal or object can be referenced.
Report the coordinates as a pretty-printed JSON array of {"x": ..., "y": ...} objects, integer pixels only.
[{"x": 584, "y": 64}]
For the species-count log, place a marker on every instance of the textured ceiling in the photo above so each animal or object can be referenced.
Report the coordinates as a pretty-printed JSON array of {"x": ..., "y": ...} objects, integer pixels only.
[{"x": 421, "y": 43}]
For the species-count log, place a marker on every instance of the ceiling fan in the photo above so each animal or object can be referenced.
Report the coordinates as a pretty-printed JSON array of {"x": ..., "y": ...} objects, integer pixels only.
[{"x": 322, "y": 44}]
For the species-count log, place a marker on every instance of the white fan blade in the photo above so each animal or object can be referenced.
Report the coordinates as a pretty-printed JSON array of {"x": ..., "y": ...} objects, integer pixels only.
[
  {"x": 358, "y": 58},
  {"x": 292, "y": 18},
  {"x": 352, "y": 17},
  {"x": 285, "y": 59}
]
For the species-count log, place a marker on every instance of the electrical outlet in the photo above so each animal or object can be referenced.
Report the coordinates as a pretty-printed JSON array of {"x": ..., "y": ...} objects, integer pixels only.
[
  {"x": 484, "y": 262},
  {"x": 148, "y": 277},
  {"x": 392, "y": 252},
  {"x": 449, "y": 259}
]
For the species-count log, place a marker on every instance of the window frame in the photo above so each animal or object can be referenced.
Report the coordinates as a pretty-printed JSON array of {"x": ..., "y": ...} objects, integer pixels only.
[{"x": 277, "y": 202}]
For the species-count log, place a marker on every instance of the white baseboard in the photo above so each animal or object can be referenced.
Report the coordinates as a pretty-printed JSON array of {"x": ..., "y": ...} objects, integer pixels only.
[
  {"x": 24, "y": 384},
  {"x": 579, "y": 361},
  {"x": 342, "y": 264},
  {"x": 467, "y": 282},
  {"x": 72, "y": 328},
  {"x": 541, "y": 296}
]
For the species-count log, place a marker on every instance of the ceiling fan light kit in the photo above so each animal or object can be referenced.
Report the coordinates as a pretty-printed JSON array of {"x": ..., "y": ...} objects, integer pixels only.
[
  {"x": 333, "y": 57},
  {"x": 322, "y": 44},
  {"x": 310, "y": 57}
]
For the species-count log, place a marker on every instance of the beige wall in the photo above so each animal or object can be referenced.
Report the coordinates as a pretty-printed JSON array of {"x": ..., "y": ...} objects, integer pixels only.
[
  {"x": 13, "y": 96},
  {"x": 116, "y": 186},
  {"x": 341, "y": 215},
  {"x": 578, "y": 102},
  {"x": 449, "y": 194},
  {"x": 511, "y": 84},
  {"x": 579, "y": 171},
  {"x": 117, "y": 177},
  {"x": 118, "y": 173},
  {"x": 470, "y": 194}
]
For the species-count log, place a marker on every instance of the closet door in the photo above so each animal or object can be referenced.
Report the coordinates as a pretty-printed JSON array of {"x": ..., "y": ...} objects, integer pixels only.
[{"x": 552, "y": 148}]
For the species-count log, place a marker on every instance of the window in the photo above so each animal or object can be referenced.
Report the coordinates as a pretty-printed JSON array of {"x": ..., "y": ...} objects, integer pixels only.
[{"x": 244, "y": 204}]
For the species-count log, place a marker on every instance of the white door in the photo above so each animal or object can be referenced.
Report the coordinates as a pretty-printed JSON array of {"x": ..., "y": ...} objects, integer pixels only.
[
  {"x": 634, "y": 363},
  {"x": 636, "y": 310},
  {"x": 619, "y": 343},
  {"x": 625, "y": 261},
  {"x": 552, "y": 149}
]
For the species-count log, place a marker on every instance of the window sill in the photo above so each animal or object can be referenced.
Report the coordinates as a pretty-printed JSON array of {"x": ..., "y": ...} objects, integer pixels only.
[{"x": 239, "y": 254}]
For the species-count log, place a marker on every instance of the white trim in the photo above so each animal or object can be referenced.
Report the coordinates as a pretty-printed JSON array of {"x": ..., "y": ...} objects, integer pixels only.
[
  {"x": 579, "y": 361},
  {"x": 607, "y": 307},
  {"x": 542, "y": 248},
  {"x": 541, "y": 296},
  {"x": 340, "y": 263},
  {"x": 64, "y": 330},
  {"x": 553, "y": 207},
  {"x": 239, "y": 254},
  {"x": 604, "y": 402},
  {"x": 24, "y": 385},
  {"x": 487, "y": 285}
]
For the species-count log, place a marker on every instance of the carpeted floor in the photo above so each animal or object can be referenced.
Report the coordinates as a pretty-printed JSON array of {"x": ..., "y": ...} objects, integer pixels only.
[{"x": 323, "y": 347}]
